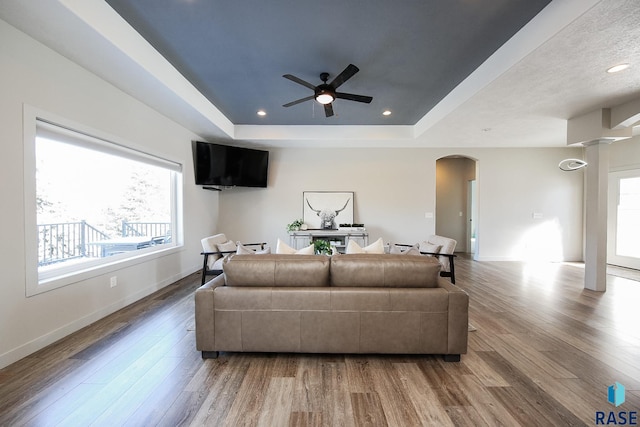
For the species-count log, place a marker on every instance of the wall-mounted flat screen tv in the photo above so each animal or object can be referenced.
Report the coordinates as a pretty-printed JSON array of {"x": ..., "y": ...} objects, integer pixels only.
[{"x": 228, "y": 166}]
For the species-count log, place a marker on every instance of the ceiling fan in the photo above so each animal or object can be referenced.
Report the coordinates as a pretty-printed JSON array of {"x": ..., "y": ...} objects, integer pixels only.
[{"x": 325, "y": 93}]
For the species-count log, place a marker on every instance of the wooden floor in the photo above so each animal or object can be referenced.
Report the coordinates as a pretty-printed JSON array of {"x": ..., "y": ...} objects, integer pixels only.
[{"x": 543, "y": 354}]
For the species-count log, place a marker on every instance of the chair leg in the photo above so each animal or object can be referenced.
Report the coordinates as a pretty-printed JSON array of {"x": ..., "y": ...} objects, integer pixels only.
[
  {"x": 453, "y": 272},
  {"x": 204, "y": 269}
]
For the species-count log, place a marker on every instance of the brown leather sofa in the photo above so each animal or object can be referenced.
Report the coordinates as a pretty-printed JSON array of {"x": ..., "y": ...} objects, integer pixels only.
[{"x": 356, "y": 303}]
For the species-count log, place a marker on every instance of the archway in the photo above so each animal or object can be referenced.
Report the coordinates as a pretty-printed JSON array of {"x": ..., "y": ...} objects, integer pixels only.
[{"x": 457, "y": 202}]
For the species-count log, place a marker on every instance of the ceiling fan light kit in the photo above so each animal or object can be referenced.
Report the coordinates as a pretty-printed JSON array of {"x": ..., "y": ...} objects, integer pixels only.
[
  {"x": 324, "y": 97},
  {"x": 325, "y": 93}
]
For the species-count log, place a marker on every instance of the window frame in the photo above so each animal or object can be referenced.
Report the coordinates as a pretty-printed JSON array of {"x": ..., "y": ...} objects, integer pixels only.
[
  {"x": 67, "y": 275},
  {"x": 613, "y": 257}
]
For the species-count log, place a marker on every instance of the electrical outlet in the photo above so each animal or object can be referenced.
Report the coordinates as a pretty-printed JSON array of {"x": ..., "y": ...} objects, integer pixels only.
[{"x": 113, "y": 281}]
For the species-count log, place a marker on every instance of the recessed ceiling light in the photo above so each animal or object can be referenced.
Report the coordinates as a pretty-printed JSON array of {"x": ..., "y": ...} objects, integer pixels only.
[
  {"x": 386, "y": 113},
  {"x": 617, "y": 68},
  {"x": 262, "y": 113}
]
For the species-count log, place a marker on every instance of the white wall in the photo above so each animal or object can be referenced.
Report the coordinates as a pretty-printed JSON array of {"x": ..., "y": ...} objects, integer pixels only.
[
  {"x": 625, "y": 154},
  {"x": 33, "y": 74},
  {"x": 394, "y": 188},
  {"x": 514, "y": 184},
  {"x": 382, "y": 180}
]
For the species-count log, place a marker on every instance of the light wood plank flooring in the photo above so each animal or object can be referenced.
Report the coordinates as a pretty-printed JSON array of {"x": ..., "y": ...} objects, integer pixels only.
[{"x": 543, "y": 353}]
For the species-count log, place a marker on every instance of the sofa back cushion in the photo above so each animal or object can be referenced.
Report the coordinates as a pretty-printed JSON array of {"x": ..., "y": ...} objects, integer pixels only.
[
  {"x": 384, "y": 270},
  {"x": 277, "y": 270}
]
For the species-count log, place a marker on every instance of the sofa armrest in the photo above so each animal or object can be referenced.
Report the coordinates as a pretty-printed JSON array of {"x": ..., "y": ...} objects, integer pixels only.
[
  {"x": 204, "y": 313},
  {"x": 448, "y": 286},
  {"x": 458, "y": 317}
]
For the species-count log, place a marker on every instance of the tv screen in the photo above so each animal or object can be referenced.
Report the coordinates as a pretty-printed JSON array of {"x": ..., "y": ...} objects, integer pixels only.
[{"x": 227, "y": 166}]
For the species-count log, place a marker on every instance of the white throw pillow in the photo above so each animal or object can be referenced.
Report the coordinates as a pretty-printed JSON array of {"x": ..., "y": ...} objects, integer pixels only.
[
  {"x": 309, "y": 250},
  {"x": 376, "y": 247},
  {"x": 395, "y": 250},
  {"x": 227, "y": 247},
  {"x": 217, "y": 261},
  {"x": 283, "y": 248},
  {"x": 430, "y": 247},
  {"x": 411, "y": 250},
  {"x": 210, "y": 244},
  {"x": 245, "y": 250},
  {"x": 353, "y": 248}
]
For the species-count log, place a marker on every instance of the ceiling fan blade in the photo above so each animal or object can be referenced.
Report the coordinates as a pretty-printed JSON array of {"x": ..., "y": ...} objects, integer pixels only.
[
  {"x": 299, "y": 81},
  {"x": 345, "y": 75},
  {"x": 352, "y": 97},
  {"x": 298, "y": 101},
  {"x": 328, "y": 110}
]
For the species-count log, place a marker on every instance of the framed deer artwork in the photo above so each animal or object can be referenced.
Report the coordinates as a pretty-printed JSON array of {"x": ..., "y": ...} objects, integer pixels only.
[{"x": 326, "y": 209}]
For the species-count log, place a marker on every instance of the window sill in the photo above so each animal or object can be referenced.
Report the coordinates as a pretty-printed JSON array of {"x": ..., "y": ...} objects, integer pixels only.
[{"x": 68, "y": 278}]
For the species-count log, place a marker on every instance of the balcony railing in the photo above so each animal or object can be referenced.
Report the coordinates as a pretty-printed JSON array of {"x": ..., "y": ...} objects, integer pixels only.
[
  {"x": 60, "y": 242},
  {"x": 65, "y": 241},
  {"x": 151, "y": 229}
]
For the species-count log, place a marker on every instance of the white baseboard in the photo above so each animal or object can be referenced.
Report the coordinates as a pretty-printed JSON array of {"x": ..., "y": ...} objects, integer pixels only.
[
  {"x": 496, "y": 258},
  {"x": 490, "y": 258},
  {"x": 41, "y": 342}
]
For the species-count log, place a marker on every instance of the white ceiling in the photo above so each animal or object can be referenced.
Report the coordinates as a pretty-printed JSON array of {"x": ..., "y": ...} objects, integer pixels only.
[{"x": 553, "y": 69}]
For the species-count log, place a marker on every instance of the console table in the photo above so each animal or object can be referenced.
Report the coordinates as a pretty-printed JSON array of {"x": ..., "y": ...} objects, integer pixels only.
[{"x": 337, "y": 238}]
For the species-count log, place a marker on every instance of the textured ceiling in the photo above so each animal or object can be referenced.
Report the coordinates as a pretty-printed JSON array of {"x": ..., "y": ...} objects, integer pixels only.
[{"x": 410, "y": 53}]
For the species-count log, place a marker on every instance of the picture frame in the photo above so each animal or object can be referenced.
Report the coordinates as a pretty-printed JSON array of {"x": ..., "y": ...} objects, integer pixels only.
[{"x": 326, "y": 209}]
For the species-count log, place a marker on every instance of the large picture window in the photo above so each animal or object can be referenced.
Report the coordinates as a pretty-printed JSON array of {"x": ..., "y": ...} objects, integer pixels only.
[
  {"x": 98, "y": 202},
  {"x": 624, "y": 216}
]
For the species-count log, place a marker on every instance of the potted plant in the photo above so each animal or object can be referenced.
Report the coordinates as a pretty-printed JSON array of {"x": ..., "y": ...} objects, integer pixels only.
[
  {"x": 322, "y": 247},
  {"x": 295, "y": 225}
]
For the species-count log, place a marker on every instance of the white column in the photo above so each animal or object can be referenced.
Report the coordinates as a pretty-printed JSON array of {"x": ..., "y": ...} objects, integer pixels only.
[
  {"x": 597, "y": 175},
  {"x": 594, "y": 131}
]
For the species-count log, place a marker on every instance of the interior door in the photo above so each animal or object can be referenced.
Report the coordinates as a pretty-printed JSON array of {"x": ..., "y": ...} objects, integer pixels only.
[
  {"x": 623, "y": 242},
  {"x": 472, "y": 214}
]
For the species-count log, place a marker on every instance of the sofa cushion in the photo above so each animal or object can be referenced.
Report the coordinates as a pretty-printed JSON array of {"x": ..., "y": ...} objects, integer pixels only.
[
  {"x": 277, "y": 270},
  {"x": 386, "y": 270}
]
